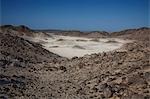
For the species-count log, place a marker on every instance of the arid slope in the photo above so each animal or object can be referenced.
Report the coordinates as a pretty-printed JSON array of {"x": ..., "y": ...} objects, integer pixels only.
[{"x": 28, "y": 71}]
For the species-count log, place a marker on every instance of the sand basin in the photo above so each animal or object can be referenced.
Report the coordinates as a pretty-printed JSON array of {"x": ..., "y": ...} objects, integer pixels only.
[{"x": 69, "y": 47}]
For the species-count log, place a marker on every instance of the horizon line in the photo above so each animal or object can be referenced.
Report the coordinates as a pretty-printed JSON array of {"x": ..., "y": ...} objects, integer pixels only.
[{"x": 80, "y": 30}]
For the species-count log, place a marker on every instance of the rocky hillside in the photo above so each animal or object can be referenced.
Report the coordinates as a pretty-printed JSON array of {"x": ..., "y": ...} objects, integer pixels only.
[
  {"x": 138, "y": 34},
  {"x": 17, "y": 60},
  {"x": 23, "y": 50},
  {"x": 122, "y": 74},
  {"x": 28, "y": 71},
  {"x": 21, "y": 31}
]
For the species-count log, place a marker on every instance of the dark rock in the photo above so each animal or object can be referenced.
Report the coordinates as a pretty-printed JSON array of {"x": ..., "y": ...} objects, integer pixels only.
[
  {"x": 107, "y": 92},
  {"x": 116, "y": 88},
  {"x": 137, "y": 96},
  {"x": 101, "y": 87},
  {"x": 73, "y": 58},
  {"x": 3, "y": 82},
  {"x": 136, "y": 80},
  {"x": 147, "y": 76},
  {"x": 147, "y": 97},
  {"x": 3, "y": 97},
  {"x": 126, "y": 97},
  {"x": 63, "y": 68}
]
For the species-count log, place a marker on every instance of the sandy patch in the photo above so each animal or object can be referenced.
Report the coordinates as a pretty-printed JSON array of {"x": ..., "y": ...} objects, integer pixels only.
[{"x": 69, "y": 47}]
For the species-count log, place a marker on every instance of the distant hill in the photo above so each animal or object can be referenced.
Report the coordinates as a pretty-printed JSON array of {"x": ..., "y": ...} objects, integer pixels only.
[
  {"x": 21, "y": 31},
  {"x": 137, "y": 34},
  {"x": 93, "y": 34},
  {"x": 140, "y": 33}
]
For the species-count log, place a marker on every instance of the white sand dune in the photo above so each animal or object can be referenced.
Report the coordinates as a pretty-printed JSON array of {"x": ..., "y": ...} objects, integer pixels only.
[{"x": 69, "y": 47}]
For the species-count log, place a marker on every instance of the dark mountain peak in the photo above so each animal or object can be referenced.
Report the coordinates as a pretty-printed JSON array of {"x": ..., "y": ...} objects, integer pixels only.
[
  {"x": 6, "y": 26},
  {"x": 143, "y": 28},
  {"x": 20, "y": 27},
  {"x": 20, "y": 30},
  {"x": 23, "y": 27}
]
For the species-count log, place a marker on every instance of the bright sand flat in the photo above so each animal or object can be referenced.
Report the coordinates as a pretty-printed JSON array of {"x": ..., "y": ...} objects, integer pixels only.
[{"x": 69, "y": 47}]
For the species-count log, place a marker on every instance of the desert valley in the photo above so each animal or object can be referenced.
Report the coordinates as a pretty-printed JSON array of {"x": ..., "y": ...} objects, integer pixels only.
[{"x": 48, "y": 64}]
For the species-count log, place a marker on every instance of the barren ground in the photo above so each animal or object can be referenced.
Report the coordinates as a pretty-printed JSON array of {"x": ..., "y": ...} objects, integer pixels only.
[{"x": 69, "y": 47}]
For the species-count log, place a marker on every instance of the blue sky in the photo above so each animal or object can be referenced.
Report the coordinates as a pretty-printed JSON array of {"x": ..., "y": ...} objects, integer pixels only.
[{"x": 87, "y": 15}]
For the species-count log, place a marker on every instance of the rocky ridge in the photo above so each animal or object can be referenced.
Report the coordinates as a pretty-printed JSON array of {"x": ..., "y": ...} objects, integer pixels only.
[
  {"x": 22, "y": 31},
  {"x": 135, "y": 34},
  {"x": 93, "y": 34}
]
